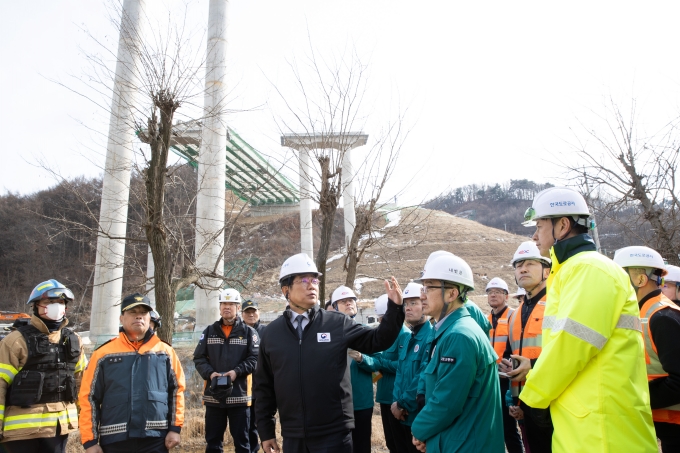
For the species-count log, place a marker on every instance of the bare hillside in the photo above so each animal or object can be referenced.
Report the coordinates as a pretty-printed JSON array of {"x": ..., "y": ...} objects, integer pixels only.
[{"x": 404, "y": 249}]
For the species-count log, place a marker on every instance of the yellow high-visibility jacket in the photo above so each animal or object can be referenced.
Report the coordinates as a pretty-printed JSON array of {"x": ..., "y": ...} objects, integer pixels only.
[{"x": 591, "y": 371}]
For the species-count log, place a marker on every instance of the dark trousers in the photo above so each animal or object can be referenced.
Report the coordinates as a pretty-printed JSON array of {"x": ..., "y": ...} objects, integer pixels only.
[
  {"x": 405, "y": 444},
  {"x": 216, "y": 419},
  {"x": 513, "y": 442},
  {"x": 331, "y": 443},
  {"x": 391, "y": 428},
  {"x": 669, "y": 434},
  {"x": 361, "y": 435},
  {"x": 538, "y": 437},
  {"x": 138, "y": 445},
  {"x": 253, "y": 437}
]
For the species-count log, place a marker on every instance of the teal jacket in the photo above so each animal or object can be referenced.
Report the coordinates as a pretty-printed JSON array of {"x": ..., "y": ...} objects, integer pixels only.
[
  {"x": 362, "y": 386},
  {"x": 462, "y": 410},
  {"x": 386, "y": 362},
  {"x": 480, "y": 318},
  {"x": 411, "y": 366}
]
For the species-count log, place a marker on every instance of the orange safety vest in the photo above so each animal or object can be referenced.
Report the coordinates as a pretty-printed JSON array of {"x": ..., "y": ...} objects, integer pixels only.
[
  {"x": 655, "y": 369},
  {"x": 526, "y": 341},
  {"x": 499, "y": 335}
]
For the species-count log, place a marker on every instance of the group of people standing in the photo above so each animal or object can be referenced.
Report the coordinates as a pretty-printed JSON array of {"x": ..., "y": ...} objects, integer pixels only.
[{"x": 589, "y": 361}]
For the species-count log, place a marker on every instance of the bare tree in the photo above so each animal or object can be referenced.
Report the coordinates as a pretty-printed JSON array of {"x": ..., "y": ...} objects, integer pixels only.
[
  {"x": 625, "y": 168},
  {"x": 170, "y": 72},
  {"x": 330, "y": 108},
  {"x": 331, "y": 96},
  {"x": 378, "y": 166}
]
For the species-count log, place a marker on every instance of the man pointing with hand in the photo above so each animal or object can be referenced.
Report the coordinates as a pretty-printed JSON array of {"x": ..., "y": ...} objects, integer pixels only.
[{"x": 316, "y": 413}]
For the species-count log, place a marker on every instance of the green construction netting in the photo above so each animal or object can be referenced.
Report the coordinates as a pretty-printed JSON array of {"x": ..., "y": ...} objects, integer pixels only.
[{"x": 239, "y": 272}]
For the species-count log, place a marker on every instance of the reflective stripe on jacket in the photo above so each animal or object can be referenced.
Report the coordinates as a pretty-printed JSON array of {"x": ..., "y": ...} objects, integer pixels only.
[
  {"x": 655, "y": 369},
  {"x": 527, "y": 341},
  {"x": 591, "y": 371},
  {"x": 38, "y": 420},
  {"x": 499, "y": 335},
  {"x": 216, "y": 353},
  {"x": 131, "y": 391}
]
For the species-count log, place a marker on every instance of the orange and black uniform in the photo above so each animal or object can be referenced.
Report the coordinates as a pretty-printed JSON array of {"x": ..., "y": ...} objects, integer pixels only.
[
  {"x": 524, "y": 339},
  {"x": 661, "y": 331},
  {"x": 499, "y": 340},
  {"x": 131, "y": 391},
  {"x": 222, "y": 348}
]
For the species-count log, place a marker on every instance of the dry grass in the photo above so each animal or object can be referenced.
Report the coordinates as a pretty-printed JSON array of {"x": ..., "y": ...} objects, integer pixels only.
[{"x": 193, "y": 434}]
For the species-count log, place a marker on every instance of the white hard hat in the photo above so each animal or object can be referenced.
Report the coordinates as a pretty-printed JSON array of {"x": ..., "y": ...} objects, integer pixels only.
[
  {"x": 557, "y": 202},
  {"x": 640, "y": 256},
  {"x": 412, "y": 290},
  {"x": 450, "y": 268},
  {"x": 297, "y": 264},
  {"x": 673, "y": 274},
  {"x": 342, "y": 292},
  {"x": 230, "y": 295},
  {"x": 528, "y": 251},
  {"x": 381, "y": 305},
  {"x": 520, "y": 292},
  {"x": 433, "y": 255},
  {"x": 499, "y": 283}
]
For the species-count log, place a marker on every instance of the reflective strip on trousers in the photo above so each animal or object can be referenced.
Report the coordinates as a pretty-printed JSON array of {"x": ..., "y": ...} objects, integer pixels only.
[{"x": 587, "y": 334}]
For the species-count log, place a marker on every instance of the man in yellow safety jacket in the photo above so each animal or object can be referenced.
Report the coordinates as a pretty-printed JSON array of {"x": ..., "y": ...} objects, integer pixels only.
[
  {"x": 591, "y": 370},
  {"x": 41, "y": 365},
  {"x": 661, "y": 330}
]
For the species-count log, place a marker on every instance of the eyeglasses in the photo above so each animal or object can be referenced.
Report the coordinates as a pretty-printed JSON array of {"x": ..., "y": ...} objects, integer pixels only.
[
  {"x": 426, "y": 289},
  {"x": 307, "y": 281},
  {"x": 495, "y": 292}
]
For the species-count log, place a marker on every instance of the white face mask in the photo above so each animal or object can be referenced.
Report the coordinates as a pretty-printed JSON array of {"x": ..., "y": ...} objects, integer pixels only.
[{"x": 55, "y": 311}]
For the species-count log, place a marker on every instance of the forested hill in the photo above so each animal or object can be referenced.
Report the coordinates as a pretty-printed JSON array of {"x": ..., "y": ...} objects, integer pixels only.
[{"x": 500, "y": 206}]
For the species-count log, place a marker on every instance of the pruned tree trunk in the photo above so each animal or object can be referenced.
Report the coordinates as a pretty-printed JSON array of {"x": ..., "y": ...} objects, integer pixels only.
[
  {"x": 354, "y": 252},
  {"x": 329, "y": 197},
  {"x": 159, "y": 141}
]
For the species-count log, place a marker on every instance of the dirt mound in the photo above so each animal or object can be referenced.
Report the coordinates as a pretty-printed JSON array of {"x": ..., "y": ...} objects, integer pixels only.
[{"x": 403, "y": 249}]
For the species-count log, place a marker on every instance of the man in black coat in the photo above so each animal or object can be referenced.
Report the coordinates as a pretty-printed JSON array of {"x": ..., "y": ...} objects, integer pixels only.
[
  {"x": 251, "y": 316},
  {"x": 302, "y": 367},
  {"x": 227, "y": 349}
]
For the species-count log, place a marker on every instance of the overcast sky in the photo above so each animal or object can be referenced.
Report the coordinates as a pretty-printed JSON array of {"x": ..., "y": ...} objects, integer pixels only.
[{"x": 491, "y": 89}]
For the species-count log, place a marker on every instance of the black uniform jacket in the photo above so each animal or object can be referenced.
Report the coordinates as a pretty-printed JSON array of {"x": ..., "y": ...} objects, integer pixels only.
[
  {"x": 308, "y": 380},
  {"x": 216, "y": 353}
]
